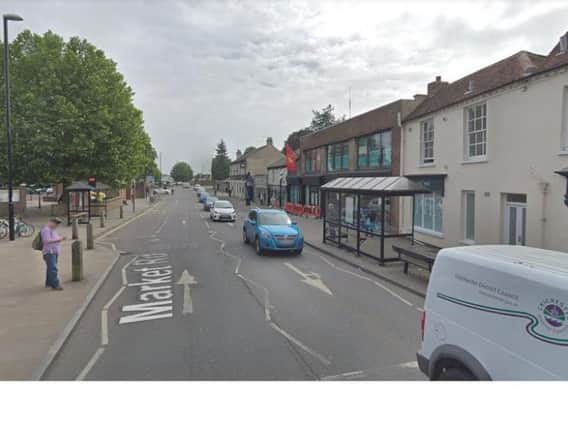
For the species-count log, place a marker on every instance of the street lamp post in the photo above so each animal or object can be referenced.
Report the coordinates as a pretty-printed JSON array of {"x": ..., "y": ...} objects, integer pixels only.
[{"x": 9, "y": 17}]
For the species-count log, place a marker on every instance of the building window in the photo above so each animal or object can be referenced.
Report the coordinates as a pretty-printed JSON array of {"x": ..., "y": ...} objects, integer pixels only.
[
  {"x": 564, "y": 136},
  {"x": 338, "y": 157},
  {"x": 295, "y": 193},
  {"x": 312, "y": 195},
  {"x": 476, "y": 131},
  {"x": 468, "y": 215},
  {"x": 311, "y": 161},
  {"x": 427, "y": 141},
  {"x": 374, "y": 151},
  {"x": 428, "y": 208}
]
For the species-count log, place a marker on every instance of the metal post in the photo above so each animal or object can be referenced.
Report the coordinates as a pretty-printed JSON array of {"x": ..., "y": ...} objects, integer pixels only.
[
  {"x": 11, "y": 221},
  {"x": 382, "y": 230},
  {"x": 339, "y": 221},
  {"x": 358, "y": 224},
  {"x": 413, "y": 215},
  {"x": 75, "y": 229},
  {"x": 76, "y": 261},
  {"x": 121, "y": 211},
  {"x": 90, "y": 237}
]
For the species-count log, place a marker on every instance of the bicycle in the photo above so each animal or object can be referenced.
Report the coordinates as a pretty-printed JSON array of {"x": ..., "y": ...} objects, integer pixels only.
[{"x": 21, "y": 228}]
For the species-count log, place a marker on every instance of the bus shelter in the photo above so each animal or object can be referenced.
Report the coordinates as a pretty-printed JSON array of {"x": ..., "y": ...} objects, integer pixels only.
[
  {"x": 79, "y": 201},
  {"x": 364, "y": 213}
]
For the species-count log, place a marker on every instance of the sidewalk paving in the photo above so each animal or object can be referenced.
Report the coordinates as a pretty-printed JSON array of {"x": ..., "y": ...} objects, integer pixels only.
[
  {"x": 415, "y": 281},
  {"x": 32, "y": 317}
]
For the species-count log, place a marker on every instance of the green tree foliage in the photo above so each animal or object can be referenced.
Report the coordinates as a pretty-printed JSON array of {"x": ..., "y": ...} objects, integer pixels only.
[
  {"x": 72, "y": 115},
  {"x": 220, "y": 163},
  {"x": 293, "y": 139},
  {"x": 182, "y": 172},
  {"x": 324, "y": 118}
]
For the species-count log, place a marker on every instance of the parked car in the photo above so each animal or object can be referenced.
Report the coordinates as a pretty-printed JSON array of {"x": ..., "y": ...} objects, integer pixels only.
[
  {"x": 272, "y": 230},
  {"x": 203, "y": 197},
  {"x": 223, "y": 210},
  {"x": 185, "y": 185},
  {"x": 496, "y": 313},
  {"x": 209, "y": 202}
]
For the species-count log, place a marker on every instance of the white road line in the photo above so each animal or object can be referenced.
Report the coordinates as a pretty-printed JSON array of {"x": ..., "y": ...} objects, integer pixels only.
[
  {"x": 266, "y": 306},
  {"x": 207, "y": 225},
  {"x": 104, "y": 327},
  {"x": 115, "y": 296},
  {"x": 394, "y": 294},
  {"x": 420, "y": 309},
  {"x": 83, "y": 374},
  {"x": 124, "y": 278},
  {"x": 300, "y": 344},
  {"x": 187, "y": 301},
  {"x": 346, "y": 375}
]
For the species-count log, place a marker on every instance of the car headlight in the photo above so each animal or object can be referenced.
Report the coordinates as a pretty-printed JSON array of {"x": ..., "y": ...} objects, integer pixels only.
[{"x": 266, "y": 234}]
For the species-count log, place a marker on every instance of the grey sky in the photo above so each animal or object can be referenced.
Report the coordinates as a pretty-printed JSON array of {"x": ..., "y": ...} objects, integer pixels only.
[{"x": 246, "y": 70}]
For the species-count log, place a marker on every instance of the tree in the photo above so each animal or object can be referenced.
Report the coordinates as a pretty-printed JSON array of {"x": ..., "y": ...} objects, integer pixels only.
[
  {"x": 181, "y": 172},
  {"x": 73, "y": 115},
  {"x": 293, "y": 139},
  {"x": 220, "y": 163},
  {"x": 324, "y": 118},
  {"x": 249, "y": 149}
]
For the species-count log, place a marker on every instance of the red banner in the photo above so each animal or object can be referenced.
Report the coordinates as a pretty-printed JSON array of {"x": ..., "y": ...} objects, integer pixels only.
[{"x": 290, "y": 159}]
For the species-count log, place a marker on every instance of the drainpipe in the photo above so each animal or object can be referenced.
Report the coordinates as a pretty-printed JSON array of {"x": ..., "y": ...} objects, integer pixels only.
[
  {"x": 544, "y": 188},
  {"x": 401, "y": 173}
]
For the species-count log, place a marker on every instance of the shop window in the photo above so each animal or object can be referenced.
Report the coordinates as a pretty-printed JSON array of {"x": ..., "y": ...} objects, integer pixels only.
[{"x": 375, "y": 150}]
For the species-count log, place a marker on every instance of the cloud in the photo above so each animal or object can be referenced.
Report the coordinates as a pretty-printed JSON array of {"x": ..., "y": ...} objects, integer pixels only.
[{"x": 246, "y": 70}]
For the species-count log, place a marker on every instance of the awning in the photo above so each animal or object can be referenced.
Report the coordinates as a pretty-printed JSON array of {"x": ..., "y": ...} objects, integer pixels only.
[{"x": 385, "y": 186}]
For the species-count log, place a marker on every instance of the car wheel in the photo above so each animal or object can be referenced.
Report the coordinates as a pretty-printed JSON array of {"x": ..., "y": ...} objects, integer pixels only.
[
  {"x": 245, "y": 238},
  {"x": 257, "y": 246},
  {"x": 298, "y": 251},
  {"x": 455, "y": 374}
]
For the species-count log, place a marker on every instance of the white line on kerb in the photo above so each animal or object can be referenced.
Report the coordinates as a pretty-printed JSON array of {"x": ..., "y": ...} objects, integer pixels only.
[{"x": 82, "y": 375}]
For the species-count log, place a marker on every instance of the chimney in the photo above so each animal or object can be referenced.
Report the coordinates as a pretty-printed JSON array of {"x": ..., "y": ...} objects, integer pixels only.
[
  {"x": 269, "y": 141},
  {"x": 436, "y": 85},
  {"x": 239, "y": 153}
]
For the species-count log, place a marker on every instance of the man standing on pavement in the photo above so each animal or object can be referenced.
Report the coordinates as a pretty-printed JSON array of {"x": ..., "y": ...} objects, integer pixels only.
[{"x": 51, "y": 241}]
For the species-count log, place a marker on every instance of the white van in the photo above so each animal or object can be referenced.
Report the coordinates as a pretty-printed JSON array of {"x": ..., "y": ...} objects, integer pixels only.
[{"x": 496, "y": 313}]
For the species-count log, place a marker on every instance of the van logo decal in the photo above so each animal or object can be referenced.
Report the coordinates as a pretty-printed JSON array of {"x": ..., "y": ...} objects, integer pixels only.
[{"x": 552, "y": 314}]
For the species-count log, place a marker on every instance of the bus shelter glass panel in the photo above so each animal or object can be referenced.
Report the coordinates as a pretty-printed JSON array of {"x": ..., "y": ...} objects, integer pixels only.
[
  {"x": 331, "y": 219},
  {"x": 349, "y": 220}
]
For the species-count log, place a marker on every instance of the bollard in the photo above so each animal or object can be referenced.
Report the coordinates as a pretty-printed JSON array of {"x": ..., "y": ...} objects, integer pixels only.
[
  {"x": 133, "y": 203},
  {"x": 76, "y": 261},
  {"x": 102, "y": 220},
  {"x": 121, "y": 211},
  {"x": 75, "y": 229},
  {"x": 90, "y": 240}
]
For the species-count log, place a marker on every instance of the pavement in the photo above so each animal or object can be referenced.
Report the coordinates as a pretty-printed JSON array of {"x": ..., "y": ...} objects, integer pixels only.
[
  {"x": 32, "y": 318},
  {"x": 189, "y": 300}
]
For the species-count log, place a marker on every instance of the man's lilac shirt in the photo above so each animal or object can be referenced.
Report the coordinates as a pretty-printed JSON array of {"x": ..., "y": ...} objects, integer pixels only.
[{"x": 47, "y": 234}]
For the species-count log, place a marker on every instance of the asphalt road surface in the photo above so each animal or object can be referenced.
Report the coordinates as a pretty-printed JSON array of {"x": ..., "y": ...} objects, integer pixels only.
[{"x": 189, "y": 300}]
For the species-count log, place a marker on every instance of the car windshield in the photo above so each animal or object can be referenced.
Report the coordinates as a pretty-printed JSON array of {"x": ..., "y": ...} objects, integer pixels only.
[
  {"x": 223, "y": 204},
  {"x": 274, "y": 218}
]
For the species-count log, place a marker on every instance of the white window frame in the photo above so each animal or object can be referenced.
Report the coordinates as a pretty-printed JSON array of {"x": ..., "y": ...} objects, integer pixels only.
[
  {"x": 427, "y": 137},
  {"x": 564, "y": 133},
  {"x": 419, "y": 198},
  {"x": 479, "y": 133},
  {"x": 466, "y": 237}
]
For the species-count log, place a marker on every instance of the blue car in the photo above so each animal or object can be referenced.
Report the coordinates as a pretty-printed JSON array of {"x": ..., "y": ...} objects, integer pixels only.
[
  {"x": 203, "y": 197},
  {"x": 272, "y": 230}
]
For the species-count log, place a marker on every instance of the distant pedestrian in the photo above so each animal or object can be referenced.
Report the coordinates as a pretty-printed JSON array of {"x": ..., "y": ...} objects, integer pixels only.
[
  {"x": 230, "y": 190},
  {"x": 51, "y": 241}
]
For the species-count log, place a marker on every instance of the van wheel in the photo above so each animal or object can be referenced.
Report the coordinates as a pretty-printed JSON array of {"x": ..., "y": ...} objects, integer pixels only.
[{"x": 455, "y": 374}]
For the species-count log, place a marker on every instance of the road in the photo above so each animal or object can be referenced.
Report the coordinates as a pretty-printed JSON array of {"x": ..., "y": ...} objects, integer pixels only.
[{"x": 189, "y": 300}]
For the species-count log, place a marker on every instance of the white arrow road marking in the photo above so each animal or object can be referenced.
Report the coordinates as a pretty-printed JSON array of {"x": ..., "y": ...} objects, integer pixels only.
[
  {"x": 312, "y": 279},
  {"x": 187, "y": 279},
  {"x": 183, "y": 221}
]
